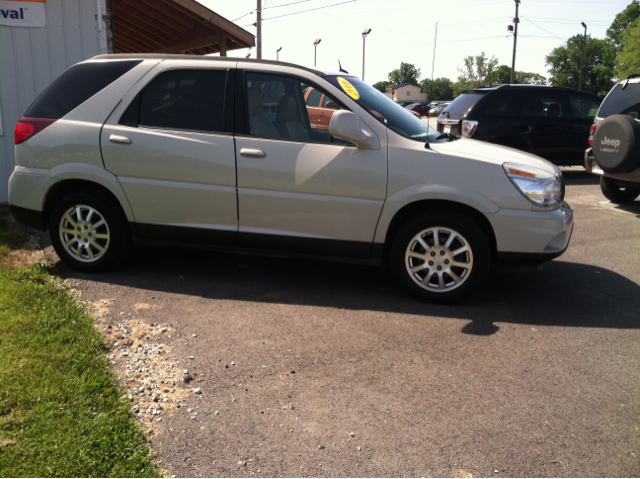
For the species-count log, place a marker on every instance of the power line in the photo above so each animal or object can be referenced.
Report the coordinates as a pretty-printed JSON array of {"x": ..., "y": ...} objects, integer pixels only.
[
  {"x": 252, "y": 11},
  {"x": 544, "y": 30},
  {"x": 286, "y": 4},
  {"x": 310, "y": 10}
]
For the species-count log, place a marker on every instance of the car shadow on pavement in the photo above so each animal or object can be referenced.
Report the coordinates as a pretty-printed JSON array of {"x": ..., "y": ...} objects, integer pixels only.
[
  {"x": 563, "y": 294},
  {"x": 578, "y": 176},
  {"x": 633, "y": 207}
]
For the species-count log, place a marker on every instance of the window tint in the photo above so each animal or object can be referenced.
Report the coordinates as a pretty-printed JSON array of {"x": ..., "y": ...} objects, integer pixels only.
[
  {"x": 543, "y": 105},
  {"x": 463, "y": 103},
  {"x": 184, "y": 100},
  {"x": 314, "y": 97},
  {"x": 75, "y": 86},
  {"x": 621, "y": 102},
  {"x": 503, "y": 103},
  {"x": 277, "y": 109},
  {"x": 583, "y": 106}
]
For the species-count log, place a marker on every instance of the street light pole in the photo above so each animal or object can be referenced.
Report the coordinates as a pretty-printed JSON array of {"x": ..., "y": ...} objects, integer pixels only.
[
  {"x": 516, "y": 20},
  {"x": 315, "y": 49},
  {"x": 364, "y": 35},
  {"x": 278, "y": 54},
  {"x": 584, "y": 41}
]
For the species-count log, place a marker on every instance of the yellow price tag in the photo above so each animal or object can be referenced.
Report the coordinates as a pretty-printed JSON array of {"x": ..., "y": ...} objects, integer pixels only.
[{"x": 349, "y": 88}]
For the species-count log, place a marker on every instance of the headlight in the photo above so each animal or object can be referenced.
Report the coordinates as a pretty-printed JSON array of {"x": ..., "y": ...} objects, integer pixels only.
[{"x": 538, "y": 186}]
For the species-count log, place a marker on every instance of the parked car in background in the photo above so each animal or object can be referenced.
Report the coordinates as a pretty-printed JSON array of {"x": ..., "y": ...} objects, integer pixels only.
[
  {"x": 551, "y": 122},
  {"x": 614, "y": 151},
  {"x": 438, "y": 107},
  {"x": 223, "y": 153},
  {"x": 421, "y": 108},
  {"x": 320, "y": 108}
]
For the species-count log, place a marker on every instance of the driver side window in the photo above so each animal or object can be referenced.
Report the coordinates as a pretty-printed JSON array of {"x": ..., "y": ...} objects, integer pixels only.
[{"x": 287, "y": 108}]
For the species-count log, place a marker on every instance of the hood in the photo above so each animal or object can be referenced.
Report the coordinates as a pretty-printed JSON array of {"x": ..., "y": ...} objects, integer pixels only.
[{"x": 490, "y": 153}]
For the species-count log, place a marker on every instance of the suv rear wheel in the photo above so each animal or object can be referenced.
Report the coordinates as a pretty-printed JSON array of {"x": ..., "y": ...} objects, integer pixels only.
[
  {"x": 440, "y": 256},
  {"x": 617, "y": 194},
  {"x": 88, "y": 233}
]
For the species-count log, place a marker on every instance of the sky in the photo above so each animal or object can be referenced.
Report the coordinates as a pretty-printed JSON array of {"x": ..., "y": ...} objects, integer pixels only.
[{"x": 404, "y": 31}]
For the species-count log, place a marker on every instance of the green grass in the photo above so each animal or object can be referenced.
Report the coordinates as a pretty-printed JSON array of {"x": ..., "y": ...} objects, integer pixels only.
[{"x": 61, "y": 411}]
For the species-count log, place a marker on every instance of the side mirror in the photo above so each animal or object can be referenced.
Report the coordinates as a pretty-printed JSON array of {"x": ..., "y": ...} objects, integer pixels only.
[
  {"x": 346, "y": 125},
  {"x": 332, "y": 105}
]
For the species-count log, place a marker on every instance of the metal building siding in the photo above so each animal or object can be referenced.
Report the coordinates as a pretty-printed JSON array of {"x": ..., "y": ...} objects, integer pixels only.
[{"x": 31, "y": 58}]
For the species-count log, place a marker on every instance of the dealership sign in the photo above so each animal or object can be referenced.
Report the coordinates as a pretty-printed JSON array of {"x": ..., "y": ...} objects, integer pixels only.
[{"x": 23, "y": 13}]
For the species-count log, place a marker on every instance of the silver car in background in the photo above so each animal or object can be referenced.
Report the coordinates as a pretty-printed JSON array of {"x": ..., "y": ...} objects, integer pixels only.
[{"x": 225, "y": 153}]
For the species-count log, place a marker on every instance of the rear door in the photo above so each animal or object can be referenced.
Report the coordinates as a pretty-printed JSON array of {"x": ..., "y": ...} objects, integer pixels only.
[
  {"x": 548, "y": 123},
  {"x": 170, "y": 144}
]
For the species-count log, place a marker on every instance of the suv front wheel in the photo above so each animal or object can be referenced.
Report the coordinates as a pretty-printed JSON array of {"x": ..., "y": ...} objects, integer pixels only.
[
  {"x": 87, "y": 232},
  {"x": 440, "y": 256},
  {"x": 617, "y": 194}
]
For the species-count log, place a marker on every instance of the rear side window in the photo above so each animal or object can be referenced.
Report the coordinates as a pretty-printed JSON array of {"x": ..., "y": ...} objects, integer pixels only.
[
  {"x": 463, "y": 103},
  {"x": 621, "y": 102},
  {"x": 75, "y": 86},
  {"x": 503, "y": 103},
  {"x": 181, "y": 100},
  {"x": 314, "y": 97}
]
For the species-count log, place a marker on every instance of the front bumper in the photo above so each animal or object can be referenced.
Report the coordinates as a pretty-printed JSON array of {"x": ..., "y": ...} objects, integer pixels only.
[{"x": 532, "y": 237}]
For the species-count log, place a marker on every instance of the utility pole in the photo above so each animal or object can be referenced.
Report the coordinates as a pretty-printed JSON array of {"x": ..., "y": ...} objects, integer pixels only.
[
  {"x": 516, "y": 20},
  {"x": 364, "y": 35},
  {"x": 259, "y": 27},
  {"x": 433, "y": 63},
  {"x": 584, "y": 41}
]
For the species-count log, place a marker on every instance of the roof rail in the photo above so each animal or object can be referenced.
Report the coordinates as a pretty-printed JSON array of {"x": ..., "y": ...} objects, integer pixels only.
[{"x": 635, "y": 75}]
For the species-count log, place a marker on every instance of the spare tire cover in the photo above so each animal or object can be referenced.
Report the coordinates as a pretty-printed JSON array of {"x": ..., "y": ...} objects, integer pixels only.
[{"x": 616, "y": 144}]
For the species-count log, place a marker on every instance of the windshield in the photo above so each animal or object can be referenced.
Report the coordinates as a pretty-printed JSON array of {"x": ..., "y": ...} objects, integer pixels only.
[
  {"x": 383, "y": 108},
  {"x": 621, "y": 102}
]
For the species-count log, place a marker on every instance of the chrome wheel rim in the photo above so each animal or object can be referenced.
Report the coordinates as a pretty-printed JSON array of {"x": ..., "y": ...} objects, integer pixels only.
[
  {"x": 84, "y": 233},
  {"x": 439, "y": 259}
]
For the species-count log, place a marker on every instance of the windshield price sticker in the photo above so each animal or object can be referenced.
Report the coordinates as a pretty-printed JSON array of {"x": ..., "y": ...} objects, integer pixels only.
[{"x": 348, "y": 88}]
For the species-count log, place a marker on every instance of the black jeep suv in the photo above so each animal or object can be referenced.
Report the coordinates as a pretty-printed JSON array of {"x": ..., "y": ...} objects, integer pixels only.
[{"x": 551, "y": 122}]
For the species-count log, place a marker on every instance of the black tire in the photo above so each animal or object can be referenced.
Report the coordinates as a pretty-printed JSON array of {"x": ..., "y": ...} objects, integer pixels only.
[
  {"x": 617, "y": 194},
  {"x": 407, "y": 249},
  {"x": 106, "y": 228}
]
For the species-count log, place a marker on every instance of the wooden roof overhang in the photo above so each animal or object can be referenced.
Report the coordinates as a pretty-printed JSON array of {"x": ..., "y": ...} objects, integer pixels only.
[{"x": 174, "y": 26}]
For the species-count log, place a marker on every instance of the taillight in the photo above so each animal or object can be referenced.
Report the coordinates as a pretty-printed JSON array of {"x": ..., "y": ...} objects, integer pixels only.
[
  {"x": 592, "y": 131},
  {"x": 469, "y": 128},
  {"x": 28, "y": 127}
]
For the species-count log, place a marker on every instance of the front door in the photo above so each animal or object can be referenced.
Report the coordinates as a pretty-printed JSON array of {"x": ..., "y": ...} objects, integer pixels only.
[{"x": 299, "y": 189}]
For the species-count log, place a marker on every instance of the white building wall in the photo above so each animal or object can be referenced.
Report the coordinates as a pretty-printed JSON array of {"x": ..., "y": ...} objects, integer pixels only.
[{"x": 31, "y": 58}]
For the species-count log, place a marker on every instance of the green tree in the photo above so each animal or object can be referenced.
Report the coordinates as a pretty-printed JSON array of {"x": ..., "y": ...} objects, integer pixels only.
[
  {"x": 382, "y": 85},
  {"x": 439, "y": 89},
  {"x": 626, "y": 17},
  {"x": 599, "y": 63},
  {"x": 503, "y": 77},
  {"x": 628, "y": 60},
  {"x": 529, "y": 78},
  {"x": 477, "y": 71},
  {"x": 407, "y": 73}
]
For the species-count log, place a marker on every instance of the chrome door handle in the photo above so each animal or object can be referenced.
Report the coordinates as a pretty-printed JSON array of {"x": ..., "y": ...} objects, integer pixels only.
[
  {"x": 252, "y": 152},
  {"x": 120, "y": 139}
]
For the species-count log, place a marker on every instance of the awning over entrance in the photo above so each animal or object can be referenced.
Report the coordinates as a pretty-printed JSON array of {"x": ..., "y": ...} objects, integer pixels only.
[{"x": 174, "y": 26}]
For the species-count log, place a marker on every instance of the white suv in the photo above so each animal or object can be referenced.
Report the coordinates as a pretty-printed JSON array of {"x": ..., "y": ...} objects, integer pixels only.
[{"x": 224, "y": 152}]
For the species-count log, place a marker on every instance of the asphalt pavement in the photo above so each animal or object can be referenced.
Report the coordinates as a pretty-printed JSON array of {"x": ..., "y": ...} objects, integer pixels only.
[{"x": 312, "y": 368}]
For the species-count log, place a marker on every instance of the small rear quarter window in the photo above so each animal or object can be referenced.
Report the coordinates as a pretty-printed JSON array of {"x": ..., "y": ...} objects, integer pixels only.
[{"x": 75, "y": 86}]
